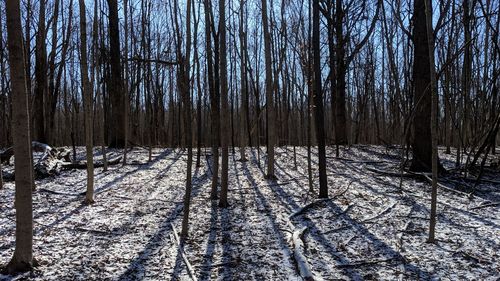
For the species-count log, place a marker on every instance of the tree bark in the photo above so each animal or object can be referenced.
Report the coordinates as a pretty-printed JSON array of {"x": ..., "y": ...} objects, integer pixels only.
[
  {"x": 243, "y": 79},
  {"x": 318, "y": 100},
  {"x": 41, "y": 95},
  {"x": 434, "y": 112},
  {"x": 23, "y": 254},
  {"x": 224, "y": 105},
  {"x": 87, "y": 104},
  {"x": 271, "y": 118},
  {"x": 117, "y": 133},
  {"x": 422, "y": 139},
  {"x": 186, "y": 98},
  {"x": 214, "y": 99}
]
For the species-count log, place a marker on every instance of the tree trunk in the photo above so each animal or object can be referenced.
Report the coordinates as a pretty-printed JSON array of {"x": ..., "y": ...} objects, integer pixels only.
[
  {"x": 41, "y": 78},
  {"x": 23, "y": 254},
  {"x": 340, "y": 85},
  {"x": 318, "y": 100},
  {"x": 422, "y": 139},
  {"x": 271, "y": 119},
  {"x": 243, "y": 79},
  {"x": 434, "y": 115},
  {"x": 117, "y": 133},
  {"x": 214, "y": 99},
  {"x": 224, "y": 104},
  {"x": 87, "y": 104},
  {"x": 186, "y": 97}
]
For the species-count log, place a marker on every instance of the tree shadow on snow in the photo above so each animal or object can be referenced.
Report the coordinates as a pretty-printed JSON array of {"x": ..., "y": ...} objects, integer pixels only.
[{"x": 137, "y": 267}]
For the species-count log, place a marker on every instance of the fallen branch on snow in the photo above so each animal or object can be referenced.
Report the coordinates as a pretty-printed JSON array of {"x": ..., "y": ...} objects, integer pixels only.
[
  {"x": 386, "y": 210},
  {"x": 362, "y": 263},
  {"x": 60, "y": 193},
  {"x": 447, "y": 188},
  {"x": 300, "y": 259},
  {"x": 183, "y": 254},
  {"x": 306, "y": 207},
  {"x": 485, "y": 206},
  {"x": 393, "y": 174}
]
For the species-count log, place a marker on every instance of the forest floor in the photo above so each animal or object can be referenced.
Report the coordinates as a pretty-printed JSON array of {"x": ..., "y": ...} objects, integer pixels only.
[{"x": 371, "y": 228}]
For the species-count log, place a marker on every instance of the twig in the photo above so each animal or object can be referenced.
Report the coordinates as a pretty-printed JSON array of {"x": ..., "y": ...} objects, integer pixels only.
[
  {"x": 216, "y": 264},
  {"x": 485, "y": 206},
  {"x": 361, "y": 263},
  {"x": 386, "y": 210}
]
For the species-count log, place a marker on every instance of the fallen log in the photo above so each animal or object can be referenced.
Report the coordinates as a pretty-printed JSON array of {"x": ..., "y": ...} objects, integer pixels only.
[
  {"x": 300, "y": 259},
  {"x": 97, "y": 164},
  {"x": 51, "y": 162}
]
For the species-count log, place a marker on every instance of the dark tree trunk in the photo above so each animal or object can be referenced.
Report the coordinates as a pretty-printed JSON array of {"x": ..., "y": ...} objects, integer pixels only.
[
  {"x": 422, "y": 141},
  {"x": 117, "y": 130},
  {"x": 23, "y": 253},
  {"x": 318, "y": 101},
  {"x": 41, "y": 79}
]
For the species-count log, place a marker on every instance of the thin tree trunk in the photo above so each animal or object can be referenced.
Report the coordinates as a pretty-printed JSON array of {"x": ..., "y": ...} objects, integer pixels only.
[
  {"x": 271, "y": 119},
  {"x": 41, "y": 78},
  {"x": 224, "y": 105},
  {"x": 186, "y": 97},
  {"x": 126, "y": 85},
  {"x": 214, "y": 99},
  {"x": 318, "y": 100},
  {"x": 87, "y": 104},
  {"x": 243, "y": 78},
  {"x": 434, "y": 110}
]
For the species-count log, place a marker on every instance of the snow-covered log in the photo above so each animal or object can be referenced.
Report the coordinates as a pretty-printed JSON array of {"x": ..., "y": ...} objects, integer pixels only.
[
  {"x": 300, "y": 259},
  {"x": 52, "y": 161},
  {"x": 48, "y": 164},
  {"x": 97, "y": 164}
]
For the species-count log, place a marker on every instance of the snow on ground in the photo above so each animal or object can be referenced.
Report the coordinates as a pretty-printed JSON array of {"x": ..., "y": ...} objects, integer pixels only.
[{"x": 372, "y": 229}]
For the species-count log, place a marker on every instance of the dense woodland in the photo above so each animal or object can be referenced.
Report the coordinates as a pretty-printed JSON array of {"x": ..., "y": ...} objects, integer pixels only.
[{"x": 246, "y": 81}]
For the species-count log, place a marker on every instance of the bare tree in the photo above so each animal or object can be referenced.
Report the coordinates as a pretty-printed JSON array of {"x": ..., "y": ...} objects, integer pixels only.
[
  {"x": 23, "y": 254},
  {"x": 184, "y": 79},
  {"x": 422, "y": 139},
  {"x": 224, "y": 105},
  {"x": 318, "y": 101},
  {"x": 87, "y": 103},
  {"x": 434, "y": 111},
  {"x": 271, "y": 119},
  {"x": 214, "y": 97},
  {"x": 117, "y": 133},
  {"x": 243, "y": 78},
  {"x": 41, "y": 95}
]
